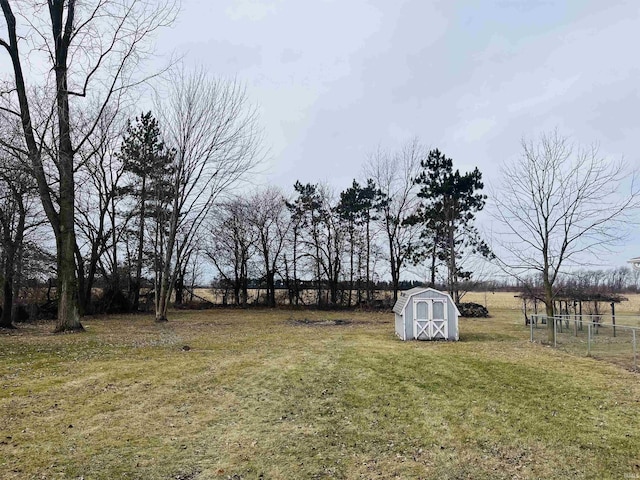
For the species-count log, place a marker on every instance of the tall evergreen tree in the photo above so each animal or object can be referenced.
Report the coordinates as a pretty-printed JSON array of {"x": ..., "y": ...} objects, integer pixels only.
[
  {"x": 307, "y": 213},
  {"x": 148, "y": 163},
  {"x": 348, "y": 210},
  {"x": 371, "y": 200},
  {"x": 450, "y": 201},
  {"x": 357, "y": 208}
]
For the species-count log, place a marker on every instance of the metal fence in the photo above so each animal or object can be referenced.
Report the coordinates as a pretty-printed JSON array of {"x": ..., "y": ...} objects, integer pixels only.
[{"x": 591, "y": 335}]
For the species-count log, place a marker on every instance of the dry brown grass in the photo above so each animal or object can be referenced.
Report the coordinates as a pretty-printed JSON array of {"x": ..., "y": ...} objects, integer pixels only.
[{"x": 291, "y": 394}]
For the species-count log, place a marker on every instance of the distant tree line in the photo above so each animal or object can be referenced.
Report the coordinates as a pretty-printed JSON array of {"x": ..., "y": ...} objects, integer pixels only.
[
  {"x": 612, "y": 280},
  {"x": 412, "y": 208},
  {"x": 154, "y": 210}
]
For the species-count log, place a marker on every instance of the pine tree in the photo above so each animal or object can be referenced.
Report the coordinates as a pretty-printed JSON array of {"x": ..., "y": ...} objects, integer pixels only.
[
  {"x": 357, "y": 207},
  {"x": 307, "y": 212},
  {"x": 348, "y": 210},
  {"x": 149, "y": 164},
  {"x": 450, "y": 201}
]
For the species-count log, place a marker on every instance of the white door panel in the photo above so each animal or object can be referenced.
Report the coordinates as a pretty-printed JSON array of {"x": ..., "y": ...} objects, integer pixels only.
[{"x": 430, "y": 319}]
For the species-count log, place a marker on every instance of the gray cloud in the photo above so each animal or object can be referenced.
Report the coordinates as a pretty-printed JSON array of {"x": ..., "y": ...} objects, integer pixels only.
[{"x": 335, "y": 79}]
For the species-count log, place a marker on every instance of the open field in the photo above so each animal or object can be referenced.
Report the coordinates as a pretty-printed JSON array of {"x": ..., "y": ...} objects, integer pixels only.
[
  {"x": 507, "y": 300},
  {"x": 492, "y": 300},
  {"x": 290, "y": 394}
]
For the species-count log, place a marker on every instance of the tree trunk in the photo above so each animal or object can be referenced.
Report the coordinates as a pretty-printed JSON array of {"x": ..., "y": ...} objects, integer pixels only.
[
  {"x": 453, "y": 271},
  {"x": 161, "y": 307},
  {"x": 548, "y": 300},
  {"x": 318, "y": 271},
  {"x": 351, "y": 235},
  {"x": 368, "y": 261},
  {"x": 395, "y": 280},
  {"x": 236, "y": 291},
  {"x": 245, "y": 292},
  {"x": 13, "y": 249},
  {"x": 359, "y": 279},
  {"x": 434, "y": 255},
  {"x": 393, "y": 260},
  {"x": 287, "y": 281},
  {"x": 134, "y": 295},
  {"x": 80, "y": 276},
  {"x": 179, "y": 289},
  {"x": 271, "y": 293},
  {"x": 114, "y": 278},
  {"x": 296, "y": 291},
  {"x": 68, "y": 315},
  {"x": 269, "y": 274},
  {"x": 7, "y": 304},
  {"x": 178, "y": 282},
  {"x": 18, "y": 276},
  {"x": 162, "y": 297}
]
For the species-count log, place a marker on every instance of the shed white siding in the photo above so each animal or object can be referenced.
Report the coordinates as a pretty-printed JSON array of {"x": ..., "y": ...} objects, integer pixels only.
[{"x": 426, "y": 314}]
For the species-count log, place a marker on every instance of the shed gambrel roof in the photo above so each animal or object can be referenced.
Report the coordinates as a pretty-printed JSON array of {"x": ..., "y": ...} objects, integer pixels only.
[{"x": 404, "y": 297}]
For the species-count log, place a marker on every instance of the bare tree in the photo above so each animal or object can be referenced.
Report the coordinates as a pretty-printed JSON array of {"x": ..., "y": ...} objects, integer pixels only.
[
  {"x": 330, "y": 241},
  {"x": 319, "y": 237},
  {"x": 394, "y": 175},
  {"x": 213, "y": 131},
  {"x": 269, "y": 218},
  {"x": 193, "y": 269},
  {"x": 97, "y": 195},
  {"x": 17, "y": 218},
  {"x": 231, "y": 246},
  {"x": 91, "y": 50},
  {"x": 560, "y": 206}
]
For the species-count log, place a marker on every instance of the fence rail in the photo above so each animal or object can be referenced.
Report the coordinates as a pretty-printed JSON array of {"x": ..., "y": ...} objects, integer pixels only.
[{"x": 591, "y": 335}]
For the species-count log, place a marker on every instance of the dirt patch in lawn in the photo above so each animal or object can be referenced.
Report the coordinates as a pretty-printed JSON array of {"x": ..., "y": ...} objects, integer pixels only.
[{"x": 321, "y": 322}]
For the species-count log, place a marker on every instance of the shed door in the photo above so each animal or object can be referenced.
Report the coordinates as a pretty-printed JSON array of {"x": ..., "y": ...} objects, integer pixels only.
[
  {"x": 439, "y": 323},
  {"x": 421, "y": 319},
  {"x": 430, "y": 319}
]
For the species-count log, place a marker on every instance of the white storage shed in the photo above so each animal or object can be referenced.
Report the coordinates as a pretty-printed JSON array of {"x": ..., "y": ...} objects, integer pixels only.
[{"x": 426, "y": 314}]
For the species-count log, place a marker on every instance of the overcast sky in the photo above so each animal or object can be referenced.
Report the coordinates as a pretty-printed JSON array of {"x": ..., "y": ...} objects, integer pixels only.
[{"x": 334, "y": 79}]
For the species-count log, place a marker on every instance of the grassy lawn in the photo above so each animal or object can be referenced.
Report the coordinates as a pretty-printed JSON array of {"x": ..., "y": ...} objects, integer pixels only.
[{"x": 293, "y": 394}]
